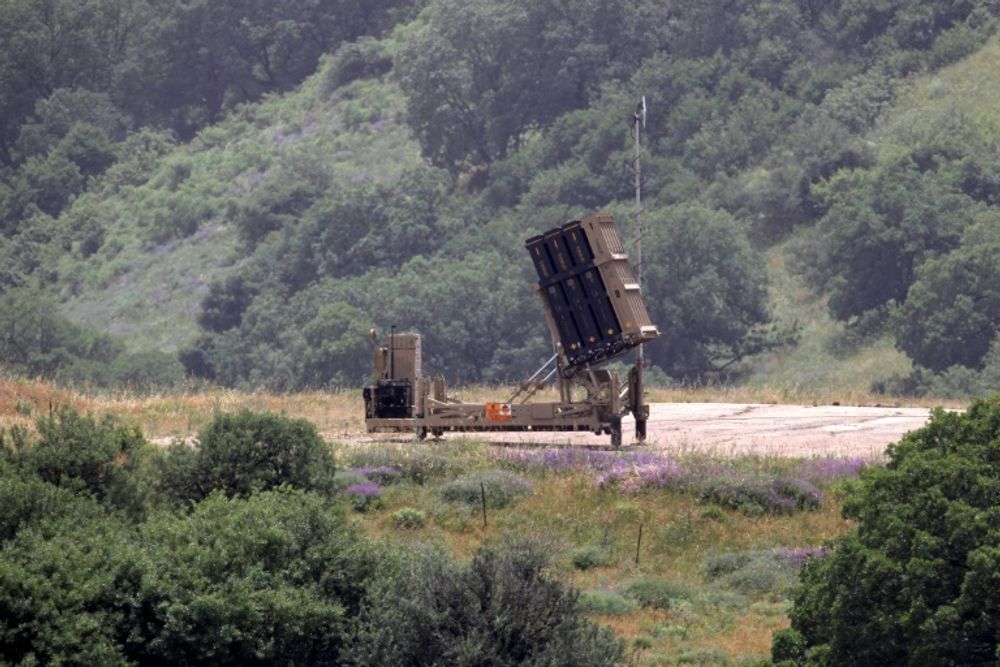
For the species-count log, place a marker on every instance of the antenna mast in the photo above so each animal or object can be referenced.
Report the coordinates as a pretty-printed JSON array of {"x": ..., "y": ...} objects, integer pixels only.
[{"x": 639, "y": 123}]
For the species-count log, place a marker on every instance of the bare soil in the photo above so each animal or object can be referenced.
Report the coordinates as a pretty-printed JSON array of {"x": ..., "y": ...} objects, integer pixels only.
[{"x": 736, "y": 429}]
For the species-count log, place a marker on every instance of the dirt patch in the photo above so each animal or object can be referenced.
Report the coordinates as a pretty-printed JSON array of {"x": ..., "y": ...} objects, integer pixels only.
[{"x": 736, "y": 429}]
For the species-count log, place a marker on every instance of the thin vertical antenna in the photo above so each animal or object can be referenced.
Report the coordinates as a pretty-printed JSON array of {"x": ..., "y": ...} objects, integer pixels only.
[{"x": 638, "y": 122}]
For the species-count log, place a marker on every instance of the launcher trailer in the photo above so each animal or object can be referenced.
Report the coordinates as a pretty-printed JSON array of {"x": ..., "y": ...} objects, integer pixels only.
[{"x": 595, "y": 313}]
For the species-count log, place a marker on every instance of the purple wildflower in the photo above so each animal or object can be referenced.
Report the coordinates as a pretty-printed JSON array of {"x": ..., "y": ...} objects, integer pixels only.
[
  {"x": 380, "y": 474},
  {"x": 368, "y": 489},
  {"x": 830, "y": 469}
]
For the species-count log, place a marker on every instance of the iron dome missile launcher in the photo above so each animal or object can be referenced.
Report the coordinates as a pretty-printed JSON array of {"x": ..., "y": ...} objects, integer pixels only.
[{"x": 595, "y": 313}]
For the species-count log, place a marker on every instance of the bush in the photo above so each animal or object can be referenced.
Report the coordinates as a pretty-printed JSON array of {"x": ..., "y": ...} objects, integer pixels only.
[
  {"x": 409, "y": 518},
  {"x": 417, "y": 465},
  {"x": 270, "y": 578},
  {"x": 28, "y": 500},
  {"x": 769, "y": 572},
  {"x": 916, "y": 581},
  {"x": 503, "y": 608},
  {"x": 759, "y": 493},
  {"x": 66, "y": 593},
  {"x": 585, "y": 558},
  {"x": 245, "y": 452},
  {"x": 502, "y": 488},
  {"x": 345, "y": 478},
  {"x": 84, "y": 454},
  {"x": 605, "y": 602},
  {"x": 383, "y": 475},
  {"x": 364, "y": 496},
  {"x": 655, "y": 592}
]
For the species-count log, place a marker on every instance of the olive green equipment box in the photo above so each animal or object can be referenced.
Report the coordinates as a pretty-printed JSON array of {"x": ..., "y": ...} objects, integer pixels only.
[{"x": 595, "y": 313}]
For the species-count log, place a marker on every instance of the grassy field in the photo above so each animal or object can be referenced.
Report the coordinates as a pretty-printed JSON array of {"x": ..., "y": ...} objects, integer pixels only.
[{"x": 685, "y": 579}]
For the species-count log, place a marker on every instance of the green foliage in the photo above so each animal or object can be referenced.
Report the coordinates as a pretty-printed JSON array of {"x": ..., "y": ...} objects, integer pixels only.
[
  {"x": 84, "y": 454},
  {"x": 655, "y": 592},
  {"x": 788, "y": 645},
  {"x": 27, "y": 500},
  {"x": 759, "y": 109},
  {"x": 604, "y": 602},
  {"x": 345, "y": 478},
  {"x": 952, "y": 309},
  {"x": 66, "y": 593},
  {"x": 242, "y": 453},
  {"x": 250, "y": 581},
  {"x": 588, "y": 557},
  {"x": 759, "y": 574},
  {"x": 271, "y": 578},
  {"x": 707, "y": 288},
  {"x": 503, "y": 608},
  {"x": 480, "y": 76},
  {"x": 916, "y": 581},
  {"x": 37, "y": 341},
  {"x": 409, "y": 518},
  {"x": 501, "y": 488}
]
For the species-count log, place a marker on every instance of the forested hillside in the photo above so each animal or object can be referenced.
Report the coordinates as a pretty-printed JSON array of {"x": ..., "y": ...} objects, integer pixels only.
[{"x": 238, "y": 194}]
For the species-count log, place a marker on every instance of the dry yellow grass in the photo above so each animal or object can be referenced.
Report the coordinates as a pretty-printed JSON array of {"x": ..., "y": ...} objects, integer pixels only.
[{"x": 338, "y": 415}]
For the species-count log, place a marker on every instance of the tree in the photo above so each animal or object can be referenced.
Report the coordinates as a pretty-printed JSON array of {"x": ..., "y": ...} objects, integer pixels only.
[
  {"x": 46, "y": 45},
  {"x": 503, "y": 608},
  {"x": 273, "y": 578},
  {"x": 916, "y": 582},
  {"x": 479, "y": 76},
  {"x": 705, "y": 288},
  {"x": 243, "y": 453},
  {"x": 883, "y": 224},
  {"x": 86, "y": 455},
  {"x": 201, "y": 58},
  {"x": 952, "y": 311}
]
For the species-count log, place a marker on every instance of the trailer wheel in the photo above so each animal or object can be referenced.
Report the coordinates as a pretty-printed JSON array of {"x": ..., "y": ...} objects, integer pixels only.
[
  {"x": 421, "y": 433},
  {"x": 616, "y": 431}
]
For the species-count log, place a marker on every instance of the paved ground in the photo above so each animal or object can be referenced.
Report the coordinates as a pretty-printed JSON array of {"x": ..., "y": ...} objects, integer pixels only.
[{"x": 735, "y": 429}]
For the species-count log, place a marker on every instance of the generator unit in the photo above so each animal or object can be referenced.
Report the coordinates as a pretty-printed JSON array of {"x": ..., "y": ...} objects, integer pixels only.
[{"x": 595, "y": 313}]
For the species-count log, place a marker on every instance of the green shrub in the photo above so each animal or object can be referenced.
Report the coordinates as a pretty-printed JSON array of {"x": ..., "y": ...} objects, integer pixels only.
[
  {"x": 788, "y": 645},
  {"x": 501, "y": 487},
  {"x": 604, "y": 602},
  {"x": 345, "y": 478},
  {"x": 753, "y": 572},
  {"x": 244, "y": 452},
  {"x": 84, "y": 454},
  {"x": 503, "y": 608},
  {"x": 28, "y": 500},
  {"x": 271, "y": 578},
  {"x": 409, "y": 517},
  {"x": 916, "y": 581},
  {"x": 703, "y": 657},
  {"x": 585, "y": 558},
  {"x": 365, "y": 496},
  {"x": 656, "y": 592},
  {"x": 66, "y": 593}
]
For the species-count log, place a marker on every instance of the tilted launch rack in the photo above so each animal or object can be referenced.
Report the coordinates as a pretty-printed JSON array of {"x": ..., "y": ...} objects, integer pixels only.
[{"x": 595, "y": 313}]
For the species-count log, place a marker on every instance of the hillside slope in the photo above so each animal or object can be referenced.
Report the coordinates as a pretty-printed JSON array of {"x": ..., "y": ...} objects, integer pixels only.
[
  {"x": 172, "y": 236},
  {"x": 264, "y": 248}
]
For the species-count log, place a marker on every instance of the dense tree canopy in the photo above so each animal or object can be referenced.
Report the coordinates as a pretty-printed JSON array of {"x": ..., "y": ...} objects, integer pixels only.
[{"x": 916, "y": 582}]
